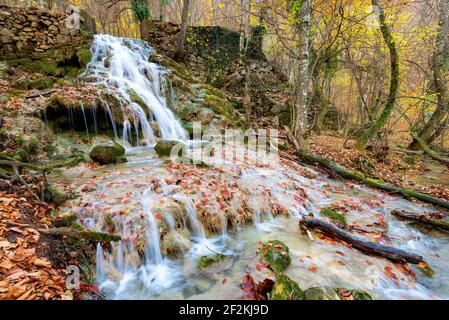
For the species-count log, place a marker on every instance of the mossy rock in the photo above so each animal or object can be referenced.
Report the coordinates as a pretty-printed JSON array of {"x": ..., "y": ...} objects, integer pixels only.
[
  {"x": 329, "y": 293},
  {"x": 108, "y": 154},
  {"x": 53, "y": 195},
  {"x": 176, "y": 242},
  {"x": 84, "y": 56},
  {"x": 75, "y": 159},
  {"x": 136, "y": 99},
  {"x": 333, "y": 215},
  {"x": 276, "y": 254},
  {"x": 164, "y": 147},
  {"x": 206, "y": 261},
  {"x": 286, "y": 289},
  {"x": 24, "y": 83},
  {"x": 358, "y": 294},
  {"x": 321, "y": 293},
  {"x": 5, "y": 98}
]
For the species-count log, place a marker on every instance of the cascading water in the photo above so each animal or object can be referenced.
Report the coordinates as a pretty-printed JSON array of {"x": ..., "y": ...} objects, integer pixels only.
[
  {"x": 121, "y": 67},
  {"x": 136, "y": 196}
]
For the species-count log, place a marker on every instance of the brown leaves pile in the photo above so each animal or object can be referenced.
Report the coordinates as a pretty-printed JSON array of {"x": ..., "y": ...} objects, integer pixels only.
[{"x": 26, "y": 272}]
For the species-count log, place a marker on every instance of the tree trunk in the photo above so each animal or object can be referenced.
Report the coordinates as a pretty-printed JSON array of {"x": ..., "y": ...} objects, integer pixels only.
[
  {"x": 179, "y": 53},
  {"x": 394, "y": 81},
  {"x": 440, "y": 68},
  {"x": 382, "y": 250},
  {"x": 301, "y": 81}
]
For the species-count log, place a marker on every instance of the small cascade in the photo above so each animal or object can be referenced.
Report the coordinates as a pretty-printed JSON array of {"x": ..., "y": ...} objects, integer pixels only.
[
  {"x": 101, "y": 275},
  {"x": 154, "y": 254},
  {"x": 121, "y": 67},
  {"x": 197, "y": 227},
  {"x": 85, "y": 122}
]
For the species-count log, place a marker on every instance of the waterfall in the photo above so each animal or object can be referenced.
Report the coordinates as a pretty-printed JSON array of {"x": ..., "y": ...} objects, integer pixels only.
[{"x": 122, "y": 67}]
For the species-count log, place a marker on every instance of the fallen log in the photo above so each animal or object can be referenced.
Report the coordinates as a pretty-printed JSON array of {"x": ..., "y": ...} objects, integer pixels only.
[
  {"x": 432, "y": 153},
  {"x": 42, "y": 94},
  {"x": 359, "y": 177},
  {"x": 81, "y": 235},
  {"x": 382, "y": 250},
  {"x": 422, "y": 219}
]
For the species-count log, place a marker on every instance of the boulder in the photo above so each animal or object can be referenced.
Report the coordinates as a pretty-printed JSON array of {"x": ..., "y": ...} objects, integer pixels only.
[
  {"x": 286, "y": 289},
  {"x": 165, "y": 147},
  {"x": 176, "y": 242},
  {"x": 108, "y": 154},
  {"x": 275, "y": 254}
]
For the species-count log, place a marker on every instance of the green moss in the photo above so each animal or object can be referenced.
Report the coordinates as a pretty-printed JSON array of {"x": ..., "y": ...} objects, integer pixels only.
[
  {"x": 358, "y": 294},
  {"x": 65, "y": 221},
  {"x": 31, "y": 145},
  {"x": 286, "y": 289},
  {"x": 275, "y": 254},
  {"x": 136, "y": 99},
  {"x": 84, "y": 56},
  {"x": 333, "y": 215},
  {"x": 321, "y": 293},
  {"x": 108, "y": 154},
  {"x": 206, "y": 261},
  {"x": 53, "y": 195},
  {"x": 164, "y": 147}
]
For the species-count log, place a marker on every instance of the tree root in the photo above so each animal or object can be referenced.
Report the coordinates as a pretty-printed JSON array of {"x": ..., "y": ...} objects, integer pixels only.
[
  {"x": 82, "y": 235},
  {"x": 432, "y": 153},
  {"x": 359, "y": 177},
  {"x": 441, "y": 224},
  {"x": 390, "y": 253}
]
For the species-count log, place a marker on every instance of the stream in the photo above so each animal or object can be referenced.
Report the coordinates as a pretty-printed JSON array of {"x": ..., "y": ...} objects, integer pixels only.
[{"x": 229, "y": 207}]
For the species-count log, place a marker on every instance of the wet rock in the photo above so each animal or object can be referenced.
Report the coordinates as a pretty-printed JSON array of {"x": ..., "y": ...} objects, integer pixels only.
[
  {"x": 286, "y": 289},
  {"x": 206, "y": 261},
  {"x": 176, "y": 242},
  {"x": 108, "y": 154},
  {"x": 329, "y": 293},
  {"x": 54, "y": 195},
  {"x": 275, "y": 254},
  {"x": 165, "y": 147},
  {"x": 321, "y": 293}
]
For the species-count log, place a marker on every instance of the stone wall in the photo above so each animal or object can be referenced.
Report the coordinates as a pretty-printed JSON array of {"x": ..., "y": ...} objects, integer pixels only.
[{"x": 29, "y": 35}]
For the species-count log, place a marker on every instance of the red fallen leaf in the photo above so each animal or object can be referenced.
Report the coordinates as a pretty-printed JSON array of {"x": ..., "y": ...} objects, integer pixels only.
[
  {"x": 158, "y": 216},
  {"x": 313, "y": 268},
  {"x": 340, "y": 253},
  {"x": 255, "y": 291},
  {"x": 224, "y": 281}
]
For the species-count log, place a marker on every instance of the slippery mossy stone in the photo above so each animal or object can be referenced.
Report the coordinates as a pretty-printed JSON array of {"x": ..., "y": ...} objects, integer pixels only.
[
  {"x": 164, "y": 147},
  {"x": 275, "y": 253},
  {"x": 321, "y": 293},
  {"x": 176, "y": 242},
  {"x": 358, "y": 294},
  {"x": 84, "y": 56},
  {"x": 53, "y": 195},
  {"x": 206, "y": 261},
  {"x": 333, "y": 215},
  {"x": 22, "y": 83},
  {"x": 286, "y": 289},
  {"x": 108, "y": 154}
]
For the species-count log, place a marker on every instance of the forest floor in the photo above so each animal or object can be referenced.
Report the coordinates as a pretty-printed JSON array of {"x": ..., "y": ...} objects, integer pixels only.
[
  {"x": 33, "y": 266},
  {"x": 395, "y": 167}
]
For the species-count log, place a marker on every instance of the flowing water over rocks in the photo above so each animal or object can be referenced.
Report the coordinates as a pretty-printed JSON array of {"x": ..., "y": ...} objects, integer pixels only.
[{"x": 171, "y": 214}]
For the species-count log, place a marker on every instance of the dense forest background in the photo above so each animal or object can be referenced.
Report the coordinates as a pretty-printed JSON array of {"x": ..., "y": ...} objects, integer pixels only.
[{"x": 351, "y": 65}]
